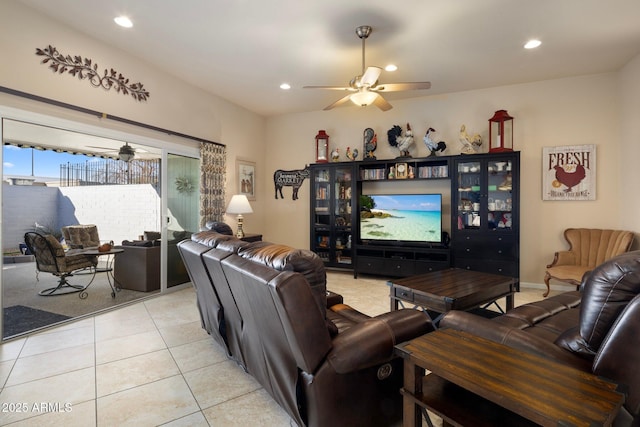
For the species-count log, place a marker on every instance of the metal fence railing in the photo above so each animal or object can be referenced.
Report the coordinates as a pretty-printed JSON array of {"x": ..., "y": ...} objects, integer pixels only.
[{"x": 110, "y": 172}]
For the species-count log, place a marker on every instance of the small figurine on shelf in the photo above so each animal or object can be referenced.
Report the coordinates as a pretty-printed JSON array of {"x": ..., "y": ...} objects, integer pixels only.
[
  {"x": 433, "y": 146},
  {"x": 411, "y": 172},
  {"x": 507, "y": 184},
  {"x": 335, "y": 154},
  {"x": 370, "y": 144},
  {"x": 470, "y": 144},
  {"x": 392, "y": 172},
  {"x": 399, "y": 141},
  {"x": 352, "y": 154}
]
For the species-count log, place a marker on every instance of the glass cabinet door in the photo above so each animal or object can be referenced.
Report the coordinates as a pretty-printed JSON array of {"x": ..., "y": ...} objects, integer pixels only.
[
  {"x": 342, "y": 215},
  {"x": 468, "y": 197},
  {"x": 322, "y": 213},
  {"x": 332, "y": 213},
  {"x": 499, "y": 195}
]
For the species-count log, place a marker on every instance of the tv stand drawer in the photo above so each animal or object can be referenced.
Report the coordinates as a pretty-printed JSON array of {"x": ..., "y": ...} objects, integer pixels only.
[{"x": 400, "y": 267}]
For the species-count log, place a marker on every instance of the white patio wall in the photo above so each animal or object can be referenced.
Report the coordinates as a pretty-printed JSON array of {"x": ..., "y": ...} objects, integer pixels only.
[
  {"x": 121, "y": 212},
  {"x": 22, "y": 207}
]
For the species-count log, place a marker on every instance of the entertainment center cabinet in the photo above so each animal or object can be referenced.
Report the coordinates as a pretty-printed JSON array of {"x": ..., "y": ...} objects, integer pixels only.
[{"x": 484, "y": 214}]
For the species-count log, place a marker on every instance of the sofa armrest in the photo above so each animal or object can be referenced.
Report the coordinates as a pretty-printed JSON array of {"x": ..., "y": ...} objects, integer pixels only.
[
  {"x": 512, "y": 337},
  {"x": 333, "y": 299},
  {"x": 372, "y": 342},
  {"x": 563, "y": 258}
]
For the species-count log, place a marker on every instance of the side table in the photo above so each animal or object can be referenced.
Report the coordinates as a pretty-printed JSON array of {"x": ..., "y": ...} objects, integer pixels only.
[
  {"x": 249, "y": 237},
  {"x": 477, "y": 382},
  {"x": 111, "y": 255}
]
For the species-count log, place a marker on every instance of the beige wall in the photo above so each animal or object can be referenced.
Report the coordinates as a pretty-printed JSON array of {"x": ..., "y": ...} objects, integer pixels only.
[
  {"x": 598, "y": 109},
  {"x": 629, "y": 154},
  {"x": 571, "y": 111}
]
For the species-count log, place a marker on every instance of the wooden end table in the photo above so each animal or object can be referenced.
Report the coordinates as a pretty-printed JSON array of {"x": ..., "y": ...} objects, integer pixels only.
[
  {"x": 251, "y": 237},
  {"x": 477, "y": 382},
  {"x": 451, "y": 289}
]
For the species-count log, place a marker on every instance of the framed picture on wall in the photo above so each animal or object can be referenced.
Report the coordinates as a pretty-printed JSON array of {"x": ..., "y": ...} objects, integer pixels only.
[
  {"x": 246, "y": 174},
  {"x": 569, "y": 172}
]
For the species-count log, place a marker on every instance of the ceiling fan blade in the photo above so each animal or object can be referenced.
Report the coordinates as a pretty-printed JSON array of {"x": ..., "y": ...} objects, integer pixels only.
[
  {"x": 396, "y": 87},
  {"x": 382, "y": 103},
  {"x": 370, "y": 77},
  {"x": 338, "y": 102},
  {"x": 329, "y": 87}
]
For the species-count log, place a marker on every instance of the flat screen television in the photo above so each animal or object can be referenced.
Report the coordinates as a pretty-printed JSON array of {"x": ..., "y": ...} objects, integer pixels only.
[{"x": 401, "y": 218}]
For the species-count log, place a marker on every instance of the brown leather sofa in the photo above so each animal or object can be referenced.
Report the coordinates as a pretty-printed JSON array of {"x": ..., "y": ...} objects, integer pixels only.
[
  {"x": 324, "y": 362},
  {"x": 596, "y": 329}
]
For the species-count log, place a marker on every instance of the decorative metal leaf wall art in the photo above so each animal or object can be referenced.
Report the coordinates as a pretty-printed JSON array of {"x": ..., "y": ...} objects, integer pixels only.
[{"x": 84, "y": 68}]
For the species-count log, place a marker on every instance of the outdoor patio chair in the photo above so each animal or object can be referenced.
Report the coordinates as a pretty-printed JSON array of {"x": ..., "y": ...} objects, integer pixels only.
[
  {"x": 51, "y": 258},
  {"x": 81, "y": 236}
]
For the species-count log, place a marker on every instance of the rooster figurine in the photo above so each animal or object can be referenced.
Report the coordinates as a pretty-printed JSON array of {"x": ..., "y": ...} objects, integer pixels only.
[
  {"x": 370, "y": 144},
  {"x": 402, "y": 143},
  {"x": 352, "y": 154},
  {"x": 335, "y": 155},
  {"x": 569, "y": 179},
  {"x": 470, "y": 144},
  {"x": 433, "y": 146}
]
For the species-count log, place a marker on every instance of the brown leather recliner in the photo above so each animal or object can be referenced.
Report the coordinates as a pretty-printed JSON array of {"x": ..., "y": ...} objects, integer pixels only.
[
  {"x": 596, "y": 330},
  {"x": 267, "y": 305}
]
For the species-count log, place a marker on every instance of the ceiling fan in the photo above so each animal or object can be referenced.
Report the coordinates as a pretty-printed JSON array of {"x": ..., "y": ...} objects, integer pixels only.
[
  {"x": 125, "y": 153},
  {"x": 365, "y": 88}
]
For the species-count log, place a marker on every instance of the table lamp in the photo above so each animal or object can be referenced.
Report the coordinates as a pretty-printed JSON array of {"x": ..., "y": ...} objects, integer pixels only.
[{"x": 239, "y": 205}]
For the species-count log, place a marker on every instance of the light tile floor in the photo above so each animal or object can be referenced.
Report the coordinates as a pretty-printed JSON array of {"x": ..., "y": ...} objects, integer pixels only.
[{"x": 149, "y": 364}]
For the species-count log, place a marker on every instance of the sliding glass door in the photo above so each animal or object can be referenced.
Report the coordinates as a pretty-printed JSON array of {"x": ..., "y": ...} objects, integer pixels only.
[
  {"x": 155, "y": 193},
  {"x": 182, "y": 206}
]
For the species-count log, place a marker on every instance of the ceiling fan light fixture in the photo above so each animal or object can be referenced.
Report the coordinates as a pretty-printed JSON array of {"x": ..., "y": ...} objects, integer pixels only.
[
  {"x": 364, "y": 98},
  {"x": 123, "y": 21},
  {"x": 126, "y": 153},
  {"x": 532, "y": 44}
]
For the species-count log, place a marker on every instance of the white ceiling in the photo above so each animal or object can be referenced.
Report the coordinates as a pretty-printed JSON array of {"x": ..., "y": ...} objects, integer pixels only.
[{"x": 241, "y": 50}]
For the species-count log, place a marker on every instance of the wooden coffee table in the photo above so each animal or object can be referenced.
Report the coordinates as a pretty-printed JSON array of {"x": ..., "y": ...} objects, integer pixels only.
[
  {"x": 451, "y": 289},
  {"x": 477, "y": 382}
]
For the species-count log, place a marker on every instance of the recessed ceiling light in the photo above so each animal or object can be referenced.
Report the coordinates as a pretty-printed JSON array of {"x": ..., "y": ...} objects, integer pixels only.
[
  {"x": 391, "y": 67},
  {"x": 123, "y": 21},
  {"x": 532, "y": 44},
  {"x": 285, "y": 86}
]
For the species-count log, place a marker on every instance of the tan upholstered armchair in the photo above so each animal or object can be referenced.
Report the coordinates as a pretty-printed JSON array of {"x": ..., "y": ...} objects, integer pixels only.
[{"x": 588, "y": 248}]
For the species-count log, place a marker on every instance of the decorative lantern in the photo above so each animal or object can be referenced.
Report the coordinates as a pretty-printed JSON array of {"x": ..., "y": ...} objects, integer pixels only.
[
  {"x": 322, "y": 147},
  {"x": 501, "y": 132}
]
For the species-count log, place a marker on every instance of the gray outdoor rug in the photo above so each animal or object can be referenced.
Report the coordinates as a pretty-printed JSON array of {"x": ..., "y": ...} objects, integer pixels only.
[{"x": 19, "y": 319}]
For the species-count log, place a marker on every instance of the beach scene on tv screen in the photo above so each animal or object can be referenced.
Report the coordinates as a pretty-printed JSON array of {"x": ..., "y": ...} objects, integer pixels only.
[{"x": 401, "y": 217}]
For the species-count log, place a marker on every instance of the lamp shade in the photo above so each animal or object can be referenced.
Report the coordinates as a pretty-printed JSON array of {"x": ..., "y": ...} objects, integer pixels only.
[
  {"x": 363, "y": 98},
  {"x": 239, "y": 204}
]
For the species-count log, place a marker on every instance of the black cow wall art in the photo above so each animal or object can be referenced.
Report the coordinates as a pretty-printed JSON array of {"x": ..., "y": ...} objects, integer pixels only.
[{"x": 291, "y": 178}]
